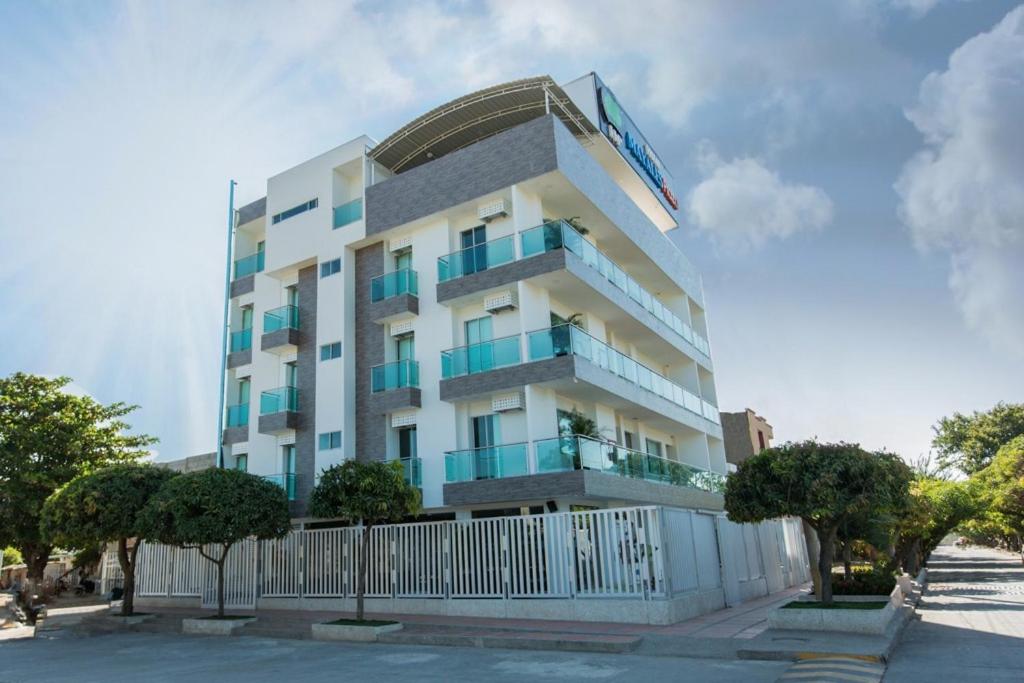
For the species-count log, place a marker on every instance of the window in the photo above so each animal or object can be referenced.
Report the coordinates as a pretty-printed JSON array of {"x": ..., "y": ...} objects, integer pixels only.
[
  {"x": 328, "y": 268},
  {"x": 330, "y": 440},
  {"x": 654, "y": 447},
  {"x": 407, "y": 442},
  {"x": 405, "y": 347},
  {"x": 247, "y": 317},
  {"x": 242, "y": 462},
  {"x": 760, "y": 440},
  {"x": 243, "y": 391},
  {"x": 295, "y": 210},
  {"x": 291, "y": 375},
  {"x": 330, "y": 351},
  {"x": 627, "y": 439},
  {"x": 474, "y": 249},
  {"x": 403, "y": 259}
]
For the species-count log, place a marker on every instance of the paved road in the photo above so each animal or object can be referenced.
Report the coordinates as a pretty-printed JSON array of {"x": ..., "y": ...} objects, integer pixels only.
[
  {"x": 972, "y": 621},
  {"x": 156, "y": 657}
]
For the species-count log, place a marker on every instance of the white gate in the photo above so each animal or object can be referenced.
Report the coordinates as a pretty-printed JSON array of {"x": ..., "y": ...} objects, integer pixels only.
[{"x": 239, "y": 576}]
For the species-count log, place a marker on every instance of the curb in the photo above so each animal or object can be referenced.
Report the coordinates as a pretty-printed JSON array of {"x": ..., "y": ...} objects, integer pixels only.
[{"x": 512, "y": 643}]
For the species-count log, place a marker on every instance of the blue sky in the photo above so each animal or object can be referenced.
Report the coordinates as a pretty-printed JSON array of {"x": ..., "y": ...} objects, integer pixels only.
[{"x": 851, "y": 172}]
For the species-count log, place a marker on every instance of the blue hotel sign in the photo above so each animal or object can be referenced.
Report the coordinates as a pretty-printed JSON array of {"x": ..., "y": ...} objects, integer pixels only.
[{"x": 620, "y": 130}]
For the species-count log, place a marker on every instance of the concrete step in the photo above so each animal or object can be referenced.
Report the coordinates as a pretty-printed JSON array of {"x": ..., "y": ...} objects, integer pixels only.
[{"x": 565, "y": 642}]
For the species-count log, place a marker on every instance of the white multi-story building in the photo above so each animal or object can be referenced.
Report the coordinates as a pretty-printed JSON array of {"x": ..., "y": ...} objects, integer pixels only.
[{"x": 487, "y": 295}]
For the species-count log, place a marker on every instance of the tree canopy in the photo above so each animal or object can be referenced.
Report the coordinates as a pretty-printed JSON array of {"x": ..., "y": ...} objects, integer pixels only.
[
  {"x": 825, "y": 484},
  {"x": 10, "y": 556},
  {"x": 105, "y": 506},
  {"x": 1000, "y": 488},
  {"x": 369, "y": 492},
  {"x": 47, "y": 438},
  {"x": 969, "y": 442}
]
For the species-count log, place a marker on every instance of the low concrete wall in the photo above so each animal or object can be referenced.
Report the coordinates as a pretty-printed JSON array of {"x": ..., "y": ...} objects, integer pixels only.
[
  {"x": 658, "y": 611},
  {"x": 869, "y": 622}
]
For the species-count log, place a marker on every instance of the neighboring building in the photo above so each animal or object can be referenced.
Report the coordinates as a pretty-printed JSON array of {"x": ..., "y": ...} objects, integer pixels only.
[
  {"x": 193, "y": 463},
  {"x": 428, "y": 299},
  {"x": 746, "y": 435}
]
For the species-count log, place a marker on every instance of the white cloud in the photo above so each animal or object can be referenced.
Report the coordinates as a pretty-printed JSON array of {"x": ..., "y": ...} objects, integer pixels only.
[
  {"x": 741, "y": 203},
  {"x": 964, "y": 192}
]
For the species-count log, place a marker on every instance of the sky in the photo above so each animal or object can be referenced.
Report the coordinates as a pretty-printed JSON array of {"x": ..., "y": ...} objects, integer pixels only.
[{"x": 851, "y": 175}]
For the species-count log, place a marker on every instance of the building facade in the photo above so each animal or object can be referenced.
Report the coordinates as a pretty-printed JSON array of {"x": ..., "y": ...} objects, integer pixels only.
[
  {"x": 746, "y": 434},
  {"x": 487, "y": 296}
]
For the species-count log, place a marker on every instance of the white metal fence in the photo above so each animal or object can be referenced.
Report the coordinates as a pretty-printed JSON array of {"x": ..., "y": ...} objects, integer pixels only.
[{"x": 638, "y": 552}]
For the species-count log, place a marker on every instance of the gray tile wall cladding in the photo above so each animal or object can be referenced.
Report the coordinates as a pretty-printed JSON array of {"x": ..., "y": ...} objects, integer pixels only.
[
  {"x": 369, "y": 350},
  {"x": 234, "y": 435},
  {"x": 533, "y": 372},
  {"x": 238, "y": 358},
  {"x": 306, "y": 360},
  {"x": 277, "y": 422},
  {"x": 396, "y": 399},
  {"x": 396, "y": 305},
  {"x": 252, "y": 211},
  {"x": 510, "y": 157},
  {"x": 243, "y": 285},
  {"x": 579, "y": 484},
  {"x": 272, "y": 340},
  {"x": 526, "y": 151}
]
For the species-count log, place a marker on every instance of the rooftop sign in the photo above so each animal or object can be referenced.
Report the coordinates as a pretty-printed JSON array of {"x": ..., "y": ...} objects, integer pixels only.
[{"x": 623, "y": 133}]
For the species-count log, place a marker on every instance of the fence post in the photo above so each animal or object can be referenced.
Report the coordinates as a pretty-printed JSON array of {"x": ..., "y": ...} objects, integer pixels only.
[{"x": 666, "y": 554}]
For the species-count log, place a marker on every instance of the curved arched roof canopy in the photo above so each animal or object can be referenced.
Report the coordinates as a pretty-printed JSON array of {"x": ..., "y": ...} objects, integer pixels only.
[{"x": 476, "y": 116}]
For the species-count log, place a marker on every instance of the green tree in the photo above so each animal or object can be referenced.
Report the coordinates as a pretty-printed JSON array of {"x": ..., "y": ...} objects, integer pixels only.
[
  {"x": 371, "y": 493},
  {"x": 105, "y": 506},
  {"x": 824, "y": 484},
  {"x": 1001, "y": 489},
  {"x": 10, "y": 556},
  {"x": 935, "y": 508},
  {"x": 211, "y": 510},
  {"x": 969, "y": 442},
  {"x": 47, "y": 438}
]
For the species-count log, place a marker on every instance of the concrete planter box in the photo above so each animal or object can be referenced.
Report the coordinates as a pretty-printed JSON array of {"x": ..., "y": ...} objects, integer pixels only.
[
  {"x": 352, "y": 632},
  {"x": 871, "y": 622},
  {"x": 214, "y": 627}
]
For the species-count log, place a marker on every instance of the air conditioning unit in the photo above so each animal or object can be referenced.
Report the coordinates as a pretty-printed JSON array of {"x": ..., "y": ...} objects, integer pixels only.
[
  {"x": 401, "y": 328},
  {"x": 406, "y": 419},
  {"x": 492, "y": 210},
  {"x": 400, "y": 243},
  {"x": 502, "y": 301},
  {"x": 504, "y": 403}
]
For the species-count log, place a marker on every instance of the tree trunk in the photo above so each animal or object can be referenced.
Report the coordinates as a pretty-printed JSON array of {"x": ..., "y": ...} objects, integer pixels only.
[
  {"x": 813, "y": 549},
  {"x": 364, "y": 563},
  {"x": 848, "y": 560},
  {"x": 827, "y": 537},
  {"x": 127, "y": 562},
  {"x": 36, "y": 559},
  {"x": 220, "y": 581}
]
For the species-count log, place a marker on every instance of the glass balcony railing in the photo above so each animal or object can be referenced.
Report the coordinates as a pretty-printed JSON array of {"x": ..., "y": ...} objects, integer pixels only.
[
  {"x": 563, "y": 340},
  {"x": 249, "y": 265},
  {"x": 279, "y": 400},
  {"x": 285, "y": 480},
  {"x": 238, "y": 415},
  {"x": 397, "y": 375},
  {"x": 476, "y": 258},
  {"x": 488, "y": 355},
  {"x": 412, "y": 471},
  {"x": 490, "y": 462},
  {"x": 584, "y": 453},
  {"x": 402, "y": 281},
  {"x": 241, "y": 340},
  {"x": 561, "y": 235},
  {"x": 348, "y": 212},
  {"x": 281, "y": 318}
]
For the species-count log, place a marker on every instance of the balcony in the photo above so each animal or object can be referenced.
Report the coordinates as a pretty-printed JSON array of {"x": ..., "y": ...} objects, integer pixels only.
[
  {"x": 394, "y": 386},
  {"x": 238, "y": 415},
  {"x": 575, "y": 467},
  {"x": 279, "y": 410},
  {"x": 482, "y": 357},
  {"x": 285, "y": 480},
  {"x": 280, "y": 328},
  {"x": 476, "y": 259},
  {"x": 249, "y": 265},
  {"x": 245, "y": 269},
  {"x": 567, "y": 339},
  {"x": 394, "y": 295},
  {"x": 347, "y": 213},
  {"x": 412, "y": 471},
  {"x": 240, "y": 348},
  {"x": 490, "y": 462},
  {"x": 544, "y": 254},
  {"x": 397, "y": 375}
]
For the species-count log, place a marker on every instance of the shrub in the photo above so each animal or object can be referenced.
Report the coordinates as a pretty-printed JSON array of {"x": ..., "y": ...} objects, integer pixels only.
[{"x": 877, "y": 580}]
